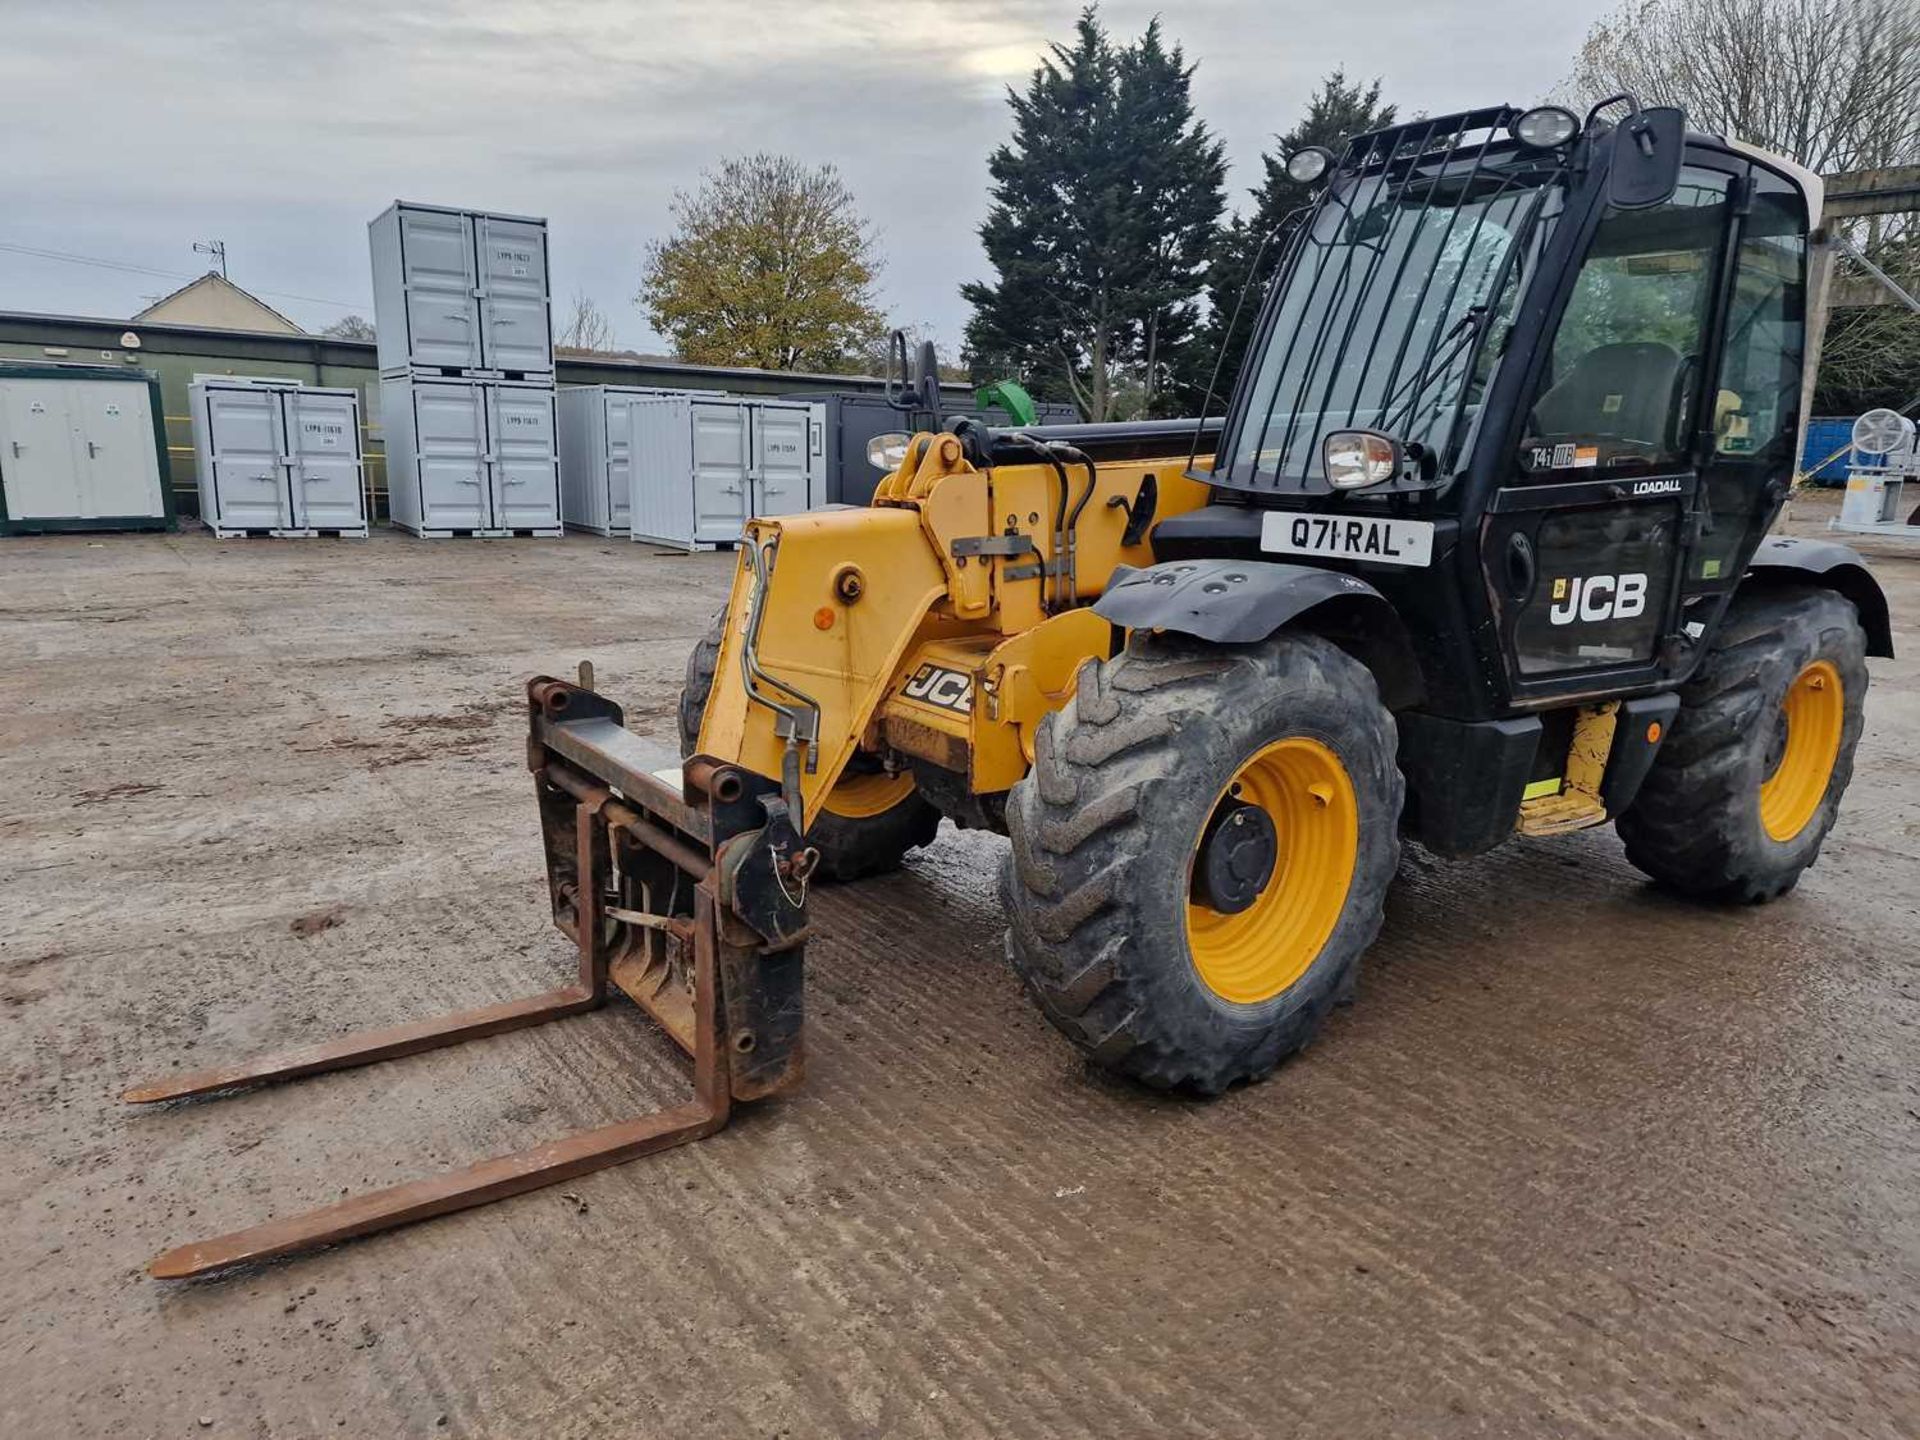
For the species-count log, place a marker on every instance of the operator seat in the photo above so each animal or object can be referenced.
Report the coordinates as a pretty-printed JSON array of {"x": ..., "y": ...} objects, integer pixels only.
[{"x": 1624, "y": 390}]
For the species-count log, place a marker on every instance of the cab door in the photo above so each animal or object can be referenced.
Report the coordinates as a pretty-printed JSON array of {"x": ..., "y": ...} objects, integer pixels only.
[{"x": 1586, "y": 541}]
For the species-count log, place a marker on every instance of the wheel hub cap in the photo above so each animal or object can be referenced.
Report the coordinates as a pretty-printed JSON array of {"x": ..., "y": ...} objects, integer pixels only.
[{"x": 1237, "y": 858}]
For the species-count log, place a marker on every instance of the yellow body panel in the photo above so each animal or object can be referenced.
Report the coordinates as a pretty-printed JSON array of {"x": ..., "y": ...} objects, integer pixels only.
[{"x": 860, "y": 600}]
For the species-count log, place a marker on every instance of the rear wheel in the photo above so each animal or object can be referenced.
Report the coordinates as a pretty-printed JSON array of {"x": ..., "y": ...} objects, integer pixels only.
[
  {"x": 1201, "y": 853},
  {"x": 870, "y": 819},
  {"x": 1746, "y": 787}
]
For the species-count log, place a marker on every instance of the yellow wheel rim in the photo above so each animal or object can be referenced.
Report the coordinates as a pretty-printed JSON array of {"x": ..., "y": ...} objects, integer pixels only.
[
  {"x": 1813, "y": 712},
  {"x": 861, "y": 797},
  {"x": 1258, "y": 952}
]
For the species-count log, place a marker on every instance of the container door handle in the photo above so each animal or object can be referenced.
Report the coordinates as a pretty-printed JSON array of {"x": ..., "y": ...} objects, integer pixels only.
[
  {"x": 93, "y": 450},
  {"x": 16, "y": 449}
]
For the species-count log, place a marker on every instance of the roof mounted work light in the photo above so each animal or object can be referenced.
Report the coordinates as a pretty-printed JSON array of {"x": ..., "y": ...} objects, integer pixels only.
[
  {"x": 1545, "y": 126},
  {"x": 1305, "y": 166}
]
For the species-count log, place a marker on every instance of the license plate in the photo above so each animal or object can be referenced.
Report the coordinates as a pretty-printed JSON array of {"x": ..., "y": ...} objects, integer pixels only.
[{"x": 1348, "y": 537}]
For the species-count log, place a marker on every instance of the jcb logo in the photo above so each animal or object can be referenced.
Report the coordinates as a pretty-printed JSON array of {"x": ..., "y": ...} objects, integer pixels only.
[
  {"x": 935, "y": 685},
  {"x": 1597, "y": 597}
]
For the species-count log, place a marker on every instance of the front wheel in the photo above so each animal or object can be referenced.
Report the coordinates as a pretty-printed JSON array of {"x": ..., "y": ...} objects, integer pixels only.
[
  {"x": 1202, "y": 852},
  {"x": 869, "y": 820}
]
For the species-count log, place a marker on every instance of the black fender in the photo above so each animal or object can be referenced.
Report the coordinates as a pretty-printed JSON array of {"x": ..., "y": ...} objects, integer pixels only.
[
  {"x": 1242, "y": 602},
  {"x": 1836, "y": 566}
]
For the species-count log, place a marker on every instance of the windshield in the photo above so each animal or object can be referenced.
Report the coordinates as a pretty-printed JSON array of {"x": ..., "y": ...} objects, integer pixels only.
[{"x": 1379, "y": 320}]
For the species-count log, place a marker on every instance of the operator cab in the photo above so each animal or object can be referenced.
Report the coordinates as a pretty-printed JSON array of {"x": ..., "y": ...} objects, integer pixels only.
[{"x": 1535, "y": 378}]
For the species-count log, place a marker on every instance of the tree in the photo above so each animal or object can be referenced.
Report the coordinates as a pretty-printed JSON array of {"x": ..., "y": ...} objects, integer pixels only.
[
  {"x": 1104, "y": 204},
  {"x": 1248, "y": 250},
  {"x": 1835, "y": 84},
  {"x": 770, "y": 264},
  {"x": 350, "y": 327},
  {"x": 587, "y": 327}
]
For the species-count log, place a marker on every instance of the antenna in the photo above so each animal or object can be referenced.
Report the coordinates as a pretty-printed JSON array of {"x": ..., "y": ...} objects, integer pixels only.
[{"x": 217, "y": 249}]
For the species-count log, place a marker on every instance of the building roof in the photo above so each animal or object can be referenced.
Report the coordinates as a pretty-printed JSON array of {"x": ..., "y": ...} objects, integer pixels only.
[{"x": 216, "y": 303}]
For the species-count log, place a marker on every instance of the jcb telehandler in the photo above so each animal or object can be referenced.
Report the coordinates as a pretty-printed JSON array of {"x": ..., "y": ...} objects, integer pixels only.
[{"x": 1478, "y": 551}]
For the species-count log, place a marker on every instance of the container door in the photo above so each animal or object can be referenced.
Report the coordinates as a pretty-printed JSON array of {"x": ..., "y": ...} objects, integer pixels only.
[
  {"x": 323, "y": 448},
  {"x": 617, "y": 463},
  {"x": 721, "y": 468},
  {"x": 37, "y": 450},
  {"x": 249, "y": 481},
  {"x": 781, "y": 439},
  {"x": 450, "y": 430},
  {"x": 119, "y": 467},
  {"x": 513, "y": 281},
  {"x": 443, "y": 308},
  {"x": 526, "y": 469}
]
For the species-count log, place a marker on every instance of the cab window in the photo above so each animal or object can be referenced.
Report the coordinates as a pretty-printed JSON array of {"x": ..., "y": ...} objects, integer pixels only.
[
  {"x": 1757, "y": 400},
  {"x": 1626, "y": 360}
]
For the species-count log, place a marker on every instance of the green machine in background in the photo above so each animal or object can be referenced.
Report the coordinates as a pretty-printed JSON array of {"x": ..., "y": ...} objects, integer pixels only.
[{"x": 1010, "y": 396}]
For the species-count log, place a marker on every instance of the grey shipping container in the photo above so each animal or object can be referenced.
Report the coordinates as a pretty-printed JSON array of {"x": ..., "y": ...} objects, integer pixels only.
[
  {"x": 456, "y": 291},
  {"x": 702, "y": 467},
  {"x": 470, "y": 457},
  {"x": 852, "y": 420},
  {"x": 274, "y": 457},
  {"x": 596, "y": 490},
  {"x": 82, "y": 448}
]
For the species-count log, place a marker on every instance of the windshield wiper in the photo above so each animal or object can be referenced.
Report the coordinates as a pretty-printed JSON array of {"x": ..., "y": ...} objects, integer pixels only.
[{"x": 1464, "y": 332}]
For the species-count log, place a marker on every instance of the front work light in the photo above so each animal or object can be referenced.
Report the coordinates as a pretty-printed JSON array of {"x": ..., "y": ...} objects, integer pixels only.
[
  {"x": 1308, "y": 165},
  {"x": 1357, "y": 458},
  {"x": 885, "y": 452},
  {"x": 1545, "y": 126}
]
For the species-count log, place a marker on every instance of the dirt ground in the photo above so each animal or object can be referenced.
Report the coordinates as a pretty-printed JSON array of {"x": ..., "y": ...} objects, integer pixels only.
[{"x": 1584, "y": 1160}]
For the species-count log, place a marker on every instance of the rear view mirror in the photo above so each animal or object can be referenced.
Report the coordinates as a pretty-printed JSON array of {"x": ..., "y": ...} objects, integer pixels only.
[{"x": 1646, "y": 158}]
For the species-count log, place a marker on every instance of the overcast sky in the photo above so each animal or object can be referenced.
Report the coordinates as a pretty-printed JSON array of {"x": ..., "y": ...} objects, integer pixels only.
[{"x": 130, "y": 128}]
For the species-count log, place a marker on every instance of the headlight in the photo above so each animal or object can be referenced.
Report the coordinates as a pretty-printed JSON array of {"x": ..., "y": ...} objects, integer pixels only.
[
  {"x": 1308, "y": 165},
  {"x": 1357, "y": 458},
  {"x": 885, "y": 452},
  {"x": 1545, "y": 126}
]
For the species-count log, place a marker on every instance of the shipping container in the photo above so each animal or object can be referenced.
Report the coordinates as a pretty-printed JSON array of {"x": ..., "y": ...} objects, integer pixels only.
[
  {"x": 702, "y": 467},
  {"x": 596, "y": 490},
  {"x": 470, "y": 457},
  {"x": 82, "y": 448},
  {"x": 460, "y": 291},
  {"x": 275, "y": 457},
  {"x": 850, "y": 421}
]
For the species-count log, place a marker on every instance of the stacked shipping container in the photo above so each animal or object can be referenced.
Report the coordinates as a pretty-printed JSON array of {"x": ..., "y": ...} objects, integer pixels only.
[{"x": 465, "y": 342}]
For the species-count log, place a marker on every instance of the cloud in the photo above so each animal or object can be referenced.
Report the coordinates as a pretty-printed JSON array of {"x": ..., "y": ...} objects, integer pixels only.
[{"x": 135, "y": 128}]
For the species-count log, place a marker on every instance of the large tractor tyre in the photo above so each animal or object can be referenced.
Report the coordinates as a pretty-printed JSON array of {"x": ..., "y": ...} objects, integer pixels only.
[
  {"x": 1746, "y": 787},
  {"x": 1201, "y": 853},
  {"x": 870, "y": 820}
]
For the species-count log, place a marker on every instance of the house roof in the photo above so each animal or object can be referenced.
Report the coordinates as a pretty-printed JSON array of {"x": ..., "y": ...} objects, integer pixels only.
[{"x": 216, "y": 287}]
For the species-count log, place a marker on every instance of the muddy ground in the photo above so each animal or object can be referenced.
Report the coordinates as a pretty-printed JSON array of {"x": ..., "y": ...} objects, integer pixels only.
[{"x": 1584, "y": 1160}]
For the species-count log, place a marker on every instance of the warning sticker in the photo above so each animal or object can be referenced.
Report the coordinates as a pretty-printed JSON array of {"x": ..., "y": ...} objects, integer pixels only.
[{"x": 1585, "y": 457}]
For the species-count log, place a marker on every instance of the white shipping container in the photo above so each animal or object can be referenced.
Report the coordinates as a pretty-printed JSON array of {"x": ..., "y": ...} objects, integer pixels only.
[
  {"x": 460, "y": 290},
  {"x": 276, "y": 457},
  {"x": 472, "y": 457},
  {"x": 596, "y": 491},
  {"x": 80, "y": 450},
  {"x": 702, "y": 467}
]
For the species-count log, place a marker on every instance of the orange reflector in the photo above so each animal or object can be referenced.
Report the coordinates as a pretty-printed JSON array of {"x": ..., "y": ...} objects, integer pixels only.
[
  {"x": 823, "y": 618},
  {"x": 1654, "y": 732}
]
